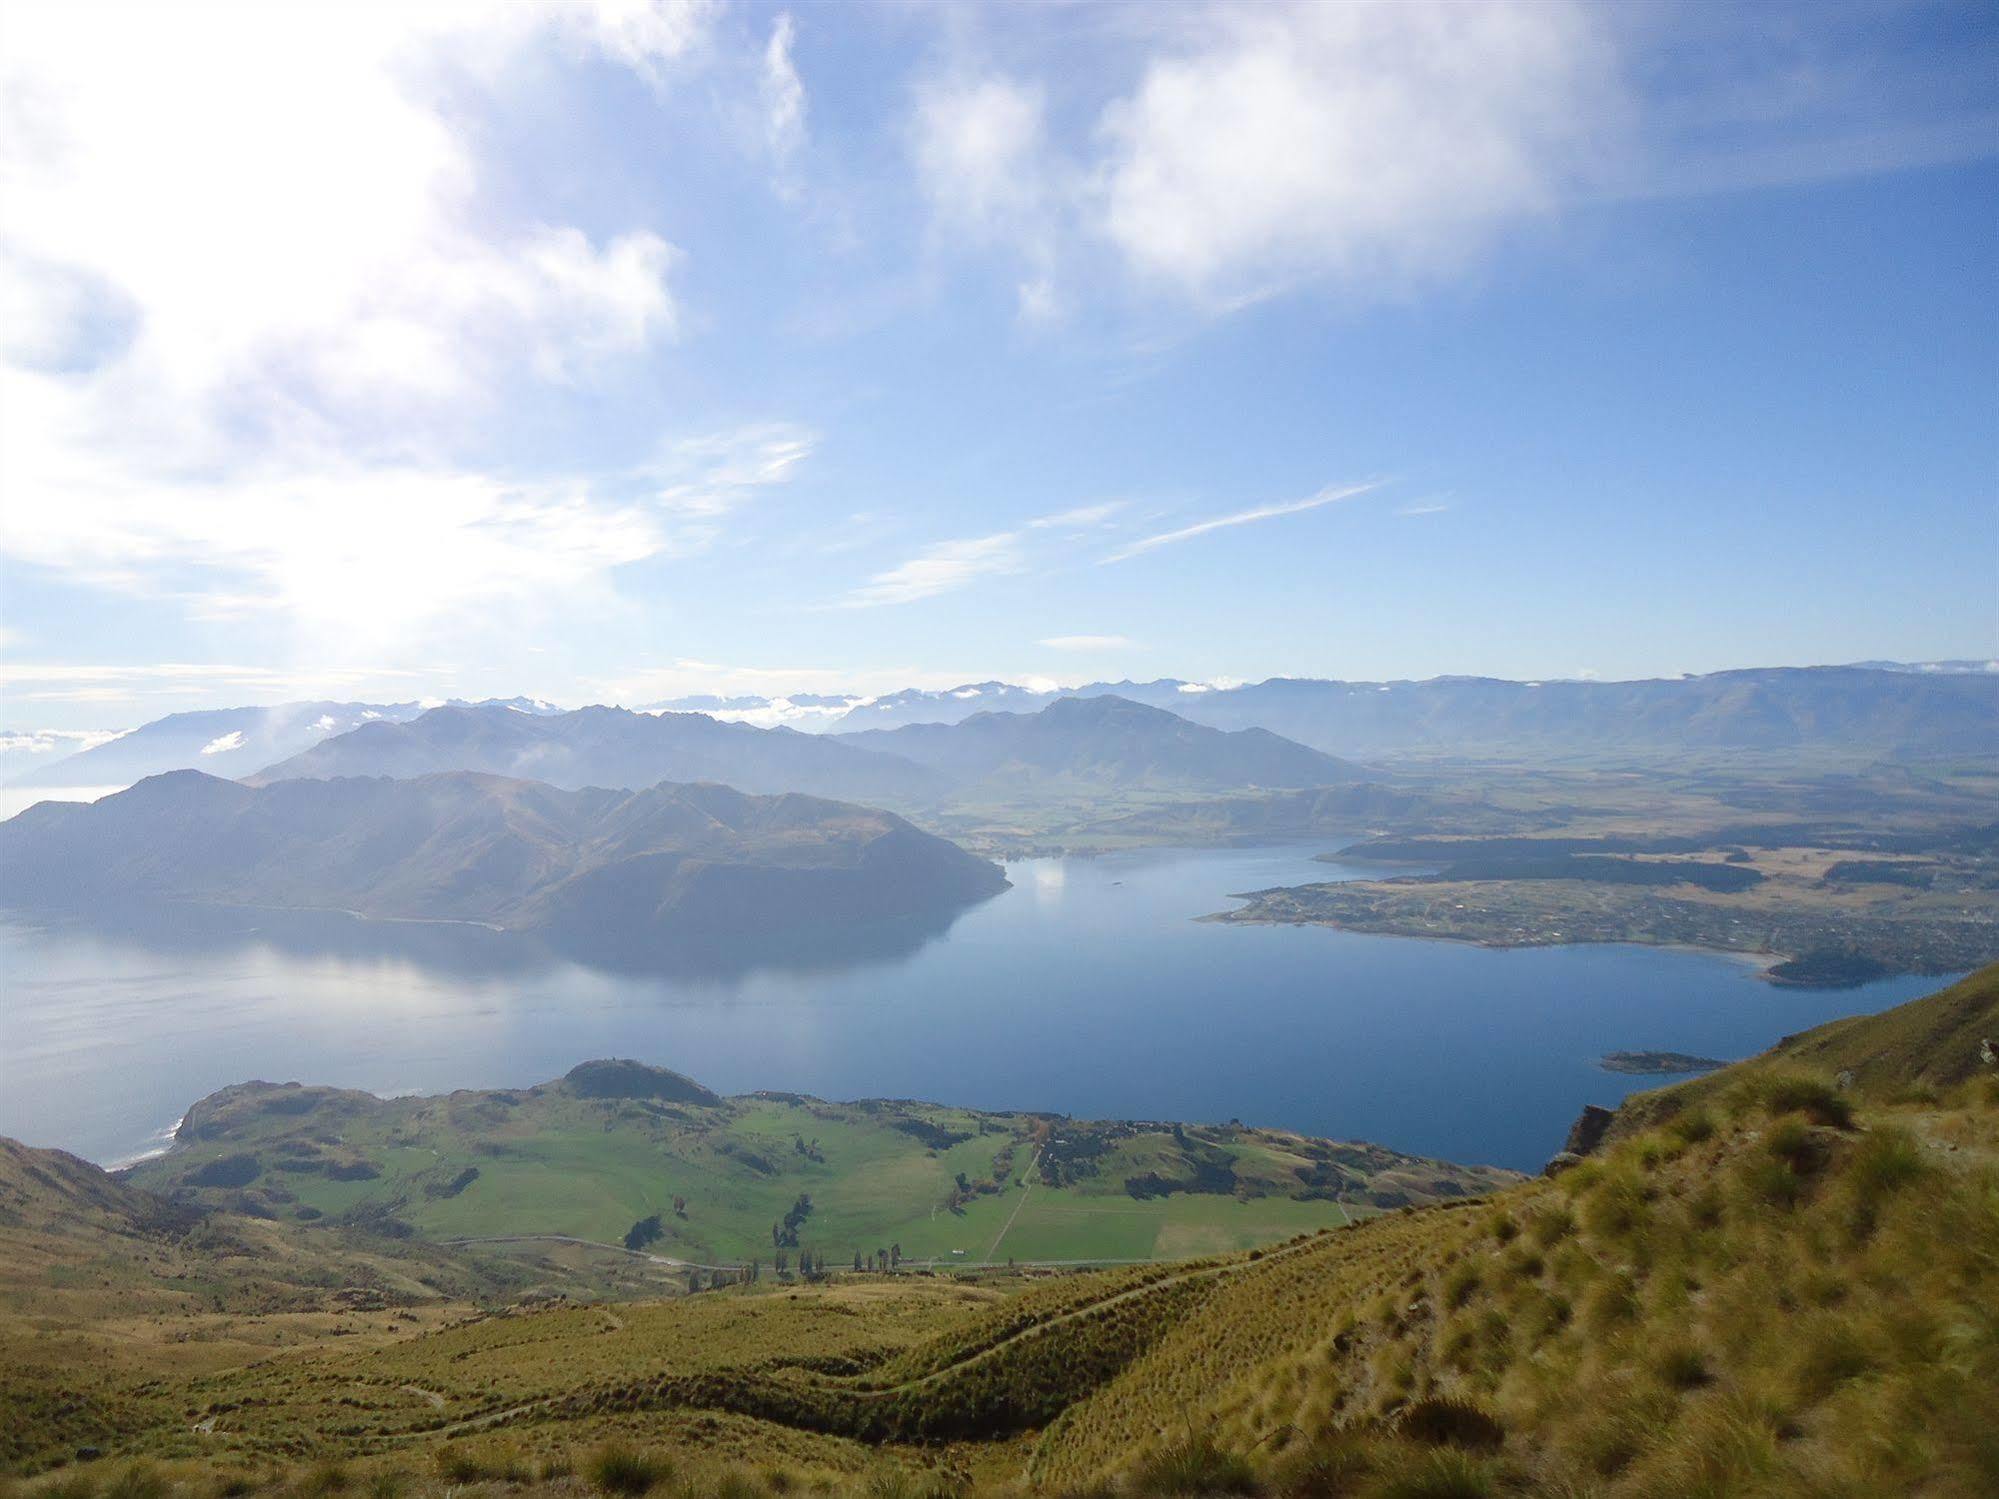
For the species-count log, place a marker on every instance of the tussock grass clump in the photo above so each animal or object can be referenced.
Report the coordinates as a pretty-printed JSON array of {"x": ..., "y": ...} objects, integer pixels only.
[
  {"x": 1692, "y": 1126},
  {"x": 1442, "y": 1474},
  {"x": 323, "y": 1478},
  {"x": 1195, "y": 1466},
  {"x": 618, "y": 1469},
  {"x": 1443, "y": 1422},
  {"x": 1802, "y": 1093},
  {"x": 1682, "y": 1364},
  {"x": 140, "y": 1480},
  {"x": 1888, "y": 1160}
]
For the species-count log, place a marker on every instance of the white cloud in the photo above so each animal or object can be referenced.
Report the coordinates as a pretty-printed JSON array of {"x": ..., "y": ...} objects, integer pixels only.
[
  {"x": 22, "y": 743},
  {"x": 1240, "y": 518},
  {"x": 1086, "y": 642},
  {"x": 939, "y": 569},
  {"x": 1425, "y": 507},
  {"x": 978, "y": 145},
  {"x": 222, "y": 744},
  {"x": 783, "y": 93},
  {"x": 1372, "y": 138},
  {"x": 1079, "y": 519},
  {"x": 253, "y": 296},
  {"x": 1261, "y": 145},
  {"x": 983, "y": 159},
  {"x": 950, "y": 565}
]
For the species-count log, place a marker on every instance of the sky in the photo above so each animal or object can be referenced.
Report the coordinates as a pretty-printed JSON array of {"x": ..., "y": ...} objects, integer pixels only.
[{"x": 605, "y": 350}]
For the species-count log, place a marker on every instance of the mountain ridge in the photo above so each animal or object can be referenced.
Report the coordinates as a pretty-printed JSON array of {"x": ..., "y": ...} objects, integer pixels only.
[
  {"x": 1112, "y": 739},
  {"x": 612, "y": 747},
  {"x": 592, "y": 865}
]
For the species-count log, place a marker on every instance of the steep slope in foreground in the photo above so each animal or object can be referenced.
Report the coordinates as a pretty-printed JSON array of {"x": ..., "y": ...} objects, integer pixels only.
[
  {"x": 611, "y": 747},
  {"x": 612, "y": 866},
  {"x": 105, "y": 1287},
  {"x": 1109, "y": 741}
]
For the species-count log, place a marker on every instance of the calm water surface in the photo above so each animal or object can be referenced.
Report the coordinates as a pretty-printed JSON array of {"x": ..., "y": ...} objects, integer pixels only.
[{"x": 1085, "y": 989}]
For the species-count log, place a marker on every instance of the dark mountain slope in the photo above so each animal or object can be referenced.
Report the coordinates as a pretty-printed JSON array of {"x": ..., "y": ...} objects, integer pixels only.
[
  {"x": 610, "y": 747},
  {"x": 701, "y": 859},
  {"x": 1109, "y": 741}
]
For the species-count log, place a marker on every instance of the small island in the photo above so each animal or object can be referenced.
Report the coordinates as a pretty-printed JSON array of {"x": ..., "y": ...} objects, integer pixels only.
[{"x": 1657, "y": 1063}]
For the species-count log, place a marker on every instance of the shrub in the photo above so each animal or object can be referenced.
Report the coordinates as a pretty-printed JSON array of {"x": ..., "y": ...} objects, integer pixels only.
[{"x": 619, "y": 1470}]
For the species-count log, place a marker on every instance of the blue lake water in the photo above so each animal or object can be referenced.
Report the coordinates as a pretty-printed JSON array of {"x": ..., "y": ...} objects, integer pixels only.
[{"x": 1086, "y": 989}]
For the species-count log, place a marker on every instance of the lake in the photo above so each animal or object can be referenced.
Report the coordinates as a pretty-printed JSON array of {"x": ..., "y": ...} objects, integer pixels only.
[{"x": 1086, "y": 989}]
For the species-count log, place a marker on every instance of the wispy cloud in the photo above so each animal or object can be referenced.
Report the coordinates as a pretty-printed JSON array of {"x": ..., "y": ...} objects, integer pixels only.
[
  {"x": 1425, "y": 507},
  {"x": 783, "y": 92},
  {"x": 950, "y": 565},
  {"x": 1079, "y": 519},
  {"x": 1241, "y": 518},
  {"x": 939, "y": 569},
  {"x": 1086, "y": 642}
]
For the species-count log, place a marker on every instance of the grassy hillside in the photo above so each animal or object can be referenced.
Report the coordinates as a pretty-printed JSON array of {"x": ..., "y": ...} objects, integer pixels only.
[
  {"x": 1772, "y": 1286},
  {"x": 616, "y": 1144}
]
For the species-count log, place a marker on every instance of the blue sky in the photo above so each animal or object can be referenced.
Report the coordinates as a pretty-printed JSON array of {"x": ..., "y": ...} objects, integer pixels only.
[{"x": 612, "y": 351}]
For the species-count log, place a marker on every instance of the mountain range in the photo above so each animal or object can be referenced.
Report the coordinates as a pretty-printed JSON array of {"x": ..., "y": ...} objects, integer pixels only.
[
  {"x": 621, "y": 867},
  {"x": 1108, "y": 741},
  {"x": 1873, "y": 709},
  {"x": 612, "y": 747},
  {"x": 1933, "y": 708},
  {"x": 232, "y": 741}
]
